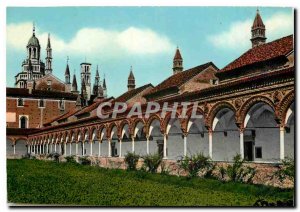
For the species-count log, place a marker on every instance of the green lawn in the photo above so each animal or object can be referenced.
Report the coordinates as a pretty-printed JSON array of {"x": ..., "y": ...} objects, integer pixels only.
[{"x": 46, "y": 182}]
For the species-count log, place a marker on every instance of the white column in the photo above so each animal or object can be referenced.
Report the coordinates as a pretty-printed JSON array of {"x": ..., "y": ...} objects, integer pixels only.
[
  {"x": 242, "y": 143},
  {"x": 76, "y": 149},
  {"x": 65, "y": 149},
  {"x": 14, "y": 149},
  {"x": 91, "y": 148},
  {"x": 184, "y": 145},
  {"x": 70, "y": 149},
  {"x": 148, "y": 145},
  {"x": 132, "y": 144},
  {"x": 120, "y": 143},
  {"x": 40, "y": 148},
  {"x": 165, "y": 146},
  {"x": 281, "y": 142},
  {"x": 47, "y": 149},
  {"x": 83, "y": 149},
  {"x": 99, "y": 148},
  {"x": 54, "y": 147},
  {"x": 210, "y": 138},
  {"x": 109, "y": 147},
  {"x": 28, "y": 149},
  {"x": 43, "y": 148},
  {"x": 51, "y": 147}
]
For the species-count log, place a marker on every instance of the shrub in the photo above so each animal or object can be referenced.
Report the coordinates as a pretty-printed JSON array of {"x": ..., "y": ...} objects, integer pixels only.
[
  {"x": 131, "y": 160},
  {"x": 54, "y": 156},
  {"x": 152, "y": 162},
  {"x": 26, "y": 156},
  {"x": 286, "y": 170},
  {"x": 70, "y": 159},
  {"x": 164, "y": 169},
  {"x": 238, "y": 173},
  {"x": 278, "y": 203},
  {"x": 194, "y": 164},
  {"x": 85, "y": 161}
]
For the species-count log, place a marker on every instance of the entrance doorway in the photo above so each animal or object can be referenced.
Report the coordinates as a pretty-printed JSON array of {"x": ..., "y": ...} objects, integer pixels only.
[
  {"x": 248, "y": 151},
  {"x": 160, "y": 147}
]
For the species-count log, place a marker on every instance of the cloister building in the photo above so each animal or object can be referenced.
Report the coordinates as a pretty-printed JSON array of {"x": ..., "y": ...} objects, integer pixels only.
[{"x": 247, "y": 108}]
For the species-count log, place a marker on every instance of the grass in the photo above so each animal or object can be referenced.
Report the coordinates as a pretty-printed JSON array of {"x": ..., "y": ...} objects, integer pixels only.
[{"x": 47, "y": 182}]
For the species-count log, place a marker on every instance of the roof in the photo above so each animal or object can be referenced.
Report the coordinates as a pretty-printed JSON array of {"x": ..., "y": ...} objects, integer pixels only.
[
  {"x": 180, "y": 78},
  {"x": 131, "y": 76},
  {"x": 263, "y": 52},
  {"x": 21, "y": 131},
  {"x": 67, "y": 72},
  {"x": 177, "y": 55},
  {"x": 74, "y": 83},
  {"x": 48, "y": 43},
  {"x": 33, "y": 41},
  {"x": 22, "y": 92},
  {"x": 129, "y": 94},
  {"x": 63, "y": 116},
  {"x": 258, "y": 23}
]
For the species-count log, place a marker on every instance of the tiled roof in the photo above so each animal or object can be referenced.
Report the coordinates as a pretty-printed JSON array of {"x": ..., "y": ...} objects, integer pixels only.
[
  {"x": 90, "y": 107},
  {"x": 263, "y": 52},
  {"x": 129, "y": 94},
  {"x": 177, "y": 55},
  {"x": 180, "y": 78},
  {"x": 257, "y": 21},
  {"x": 242, "y": 81},
  {"x": 22, "y": 92}
]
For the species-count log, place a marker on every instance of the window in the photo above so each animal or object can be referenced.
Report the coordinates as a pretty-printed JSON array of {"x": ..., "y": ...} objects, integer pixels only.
[
  {"x": 258, "y": 152},
  {"x": 61, "y": 104},
  {"x": 214, "y": 81},
  {"x": 49, "y": 83},
  {"x": 23, "y": 122},
  {"x": 41, "y": 103},
  {"x": 20, "y": 102}
]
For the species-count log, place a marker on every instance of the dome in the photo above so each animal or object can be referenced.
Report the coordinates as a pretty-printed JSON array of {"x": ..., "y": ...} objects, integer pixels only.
[{"x": 33, "y": 41}]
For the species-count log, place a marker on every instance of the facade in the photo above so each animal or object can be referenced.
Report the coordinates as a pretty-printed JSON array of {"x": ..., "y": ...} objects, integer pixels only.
[{"x": 246, "y": 108}]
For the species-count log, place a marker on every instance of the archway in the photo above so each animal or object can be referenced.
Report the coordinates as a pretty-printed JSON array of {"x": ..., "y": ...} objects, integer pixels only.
[
  {"x": 140, "y": 140},
  {"x": 197, "y": 138},
  {"x": 21, "y": 147},
  {"x": 261, "y": 134},
  {"x": 289, "y": 140},
  {"x": 155, "y": 137},
  {"x": 175, "y": 140},
  {"x": 226, "y": 142},
  {"x": 126, "y": 140},
  {"x": 9, "y": 147}
]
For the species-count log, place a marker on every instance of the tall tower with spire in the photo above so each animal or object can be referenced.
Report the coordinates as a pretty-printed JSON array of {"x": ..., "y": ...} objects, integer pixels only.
[
  {"x": 131, "y": 80},
  {"x": 177, "y": 62},
  {"x": 67, "y": 78},
  {"x": 48, "y": 68},
  {"x": 74, "y": 84},
  {"x": 258, "y": 31},
  {"x": 84, "y": 94},
  {"x": 97, "y": 82},
  {"x": 86, "y": 77},
  {"x": 32, "y": 66},
  {"x": 104, "y": 88}
]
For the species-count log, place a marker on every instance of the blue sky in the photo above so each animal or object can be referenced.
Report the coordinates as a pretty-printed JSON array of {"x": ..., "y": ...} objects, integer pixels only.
[{"x": 145, "y": 37}]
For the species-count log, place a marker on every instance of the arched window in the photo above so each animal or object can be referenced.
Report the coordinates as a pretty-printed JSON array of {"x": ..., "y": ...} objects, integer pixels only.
[
  {"x": 20, "y": 102},
  {"x": 23, "y": 122}
]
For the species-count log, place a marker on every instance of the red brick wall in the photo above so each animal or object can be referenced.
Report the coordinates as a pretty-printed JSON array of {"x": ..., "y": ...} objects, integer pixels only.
[{"x": 49, "y": 112}]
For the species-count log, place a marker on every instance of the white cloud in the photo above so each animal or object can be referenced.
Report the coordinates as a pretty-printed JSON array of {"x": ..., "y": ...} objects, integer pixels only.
[
  {"x": 238, "y": 35},
  {"x": 88, "y": 41}
]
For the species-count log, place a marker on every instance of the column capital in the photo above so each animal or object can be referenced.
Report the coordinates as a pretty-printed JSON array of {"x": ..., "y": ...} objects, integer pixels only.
[{"x": 241, "y": 129}]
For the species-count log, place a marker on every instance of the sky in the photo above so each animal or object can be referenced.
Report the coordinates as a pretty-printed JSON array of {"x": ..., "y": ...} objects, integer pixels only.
[{"x": 115, "y": 38}]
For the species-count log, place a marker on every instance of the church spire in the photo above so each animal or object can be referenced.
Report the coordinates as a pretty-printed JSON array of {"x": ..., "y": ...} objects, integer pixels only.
[
  {"x": 97, "y": 82},
  {"x": 104, "y": 87},
  {"x": 67, "y": 73},
  {"x": 74, "y": 83},
  {"x": 177, "y": 62},
  {"x": 258, "y": 30},
  {"x": 131, "y": 80},
  {"x": 49, "y": 57},
  {"x": 33, "y": 29}
]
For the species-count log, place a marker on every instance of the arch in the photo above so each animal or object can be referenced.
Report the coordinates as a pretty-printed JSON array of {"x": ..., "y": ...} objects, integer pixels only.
[
  {"x": 284, "y": 105},
  {"x": 134, "y": 125},
  {"x": 165, "y": 122},
  {"x": 149, "y": 122},
  {"x": 110, "y": 128},
  {"x": 214, "y": 110},
  {"x": 23, "y": 122},
  {"x": 122, "y": 131},
  {"x": 242, "y": 113}
]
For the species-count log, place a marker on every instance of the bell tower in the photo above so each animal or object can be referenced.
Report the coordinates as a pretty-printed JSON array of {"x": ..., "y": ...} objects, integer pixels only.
[
  {"x": 177, "y": 62},
  {"x": 258, "y": 30},
  {"x": 86, "y": 77}
]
